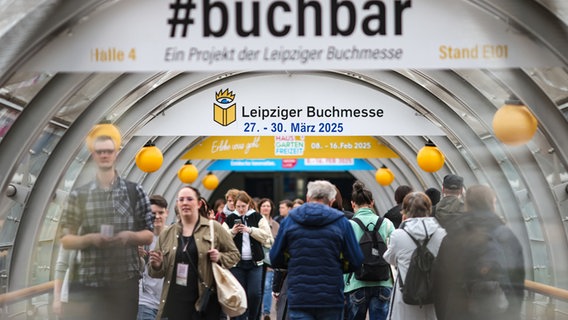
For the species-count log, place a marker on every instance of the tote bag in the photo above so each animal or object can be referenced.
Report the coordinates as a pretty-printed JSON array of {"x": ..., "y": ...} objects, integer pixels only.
[{"x": 232, "y": 297}]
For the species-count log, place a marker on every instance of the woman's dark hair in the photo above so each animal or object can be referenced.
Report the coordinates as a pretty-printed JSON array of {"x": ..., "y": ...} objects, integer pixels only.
[
  {"x": 218, "y": 203},
  {"x": 401, "y": 192},
  {"x": 272, "y": 208},
  {"x": 197, "y": 193},
  {"x": 204, "y": 209},
  {"x": 434, "y": 195},
  {"x": 361, "y": 195},
  {"x": 338, "y": 203}
]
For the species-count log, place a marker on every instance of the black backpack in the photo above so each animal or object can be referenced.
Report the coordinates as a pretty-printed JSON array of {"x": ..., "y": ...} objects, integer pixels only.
[
  {"x": 488, "y": 283},
  {"x": 374, "y": 267},
  {"x": 417, "y": 285}
]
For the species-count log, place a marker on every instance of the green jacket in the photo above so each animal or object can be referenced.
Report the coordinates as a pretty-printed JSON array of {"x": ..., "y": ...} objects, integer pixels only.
[
  {"x": 168, "y": 241},
  {"x": 367, "y": 216}
]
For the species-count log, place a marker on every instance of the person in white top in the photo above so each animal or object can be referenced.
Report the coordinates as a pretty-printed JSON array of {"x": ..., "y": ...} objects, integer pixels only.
[
  {"x": 416, "y": 209},
  {"x": 250, "y": 230},
  {"x": 151, "y": 288}
]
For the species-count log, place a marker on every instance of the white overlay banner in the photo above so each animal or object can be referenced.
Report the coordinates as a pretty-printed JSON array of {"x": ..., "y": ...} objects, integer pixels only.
[{"x": 207, "y": 35}]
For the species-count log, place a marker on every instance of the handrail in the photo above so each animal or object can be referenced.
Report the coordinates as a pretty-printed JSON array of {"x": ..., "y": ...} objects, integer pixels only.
[
  {"x": 26, "y": 293},
  {"x": 544, "y": 289},
  {"x": 39, "y": 289}
]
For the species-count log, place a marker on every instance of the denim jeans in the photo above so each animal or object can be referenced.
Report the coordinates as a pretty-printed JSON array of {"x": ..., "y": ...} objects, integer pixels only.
[
  {"x": 146, "y": 313},
  {"x": 250, "y": 277},
  {"x": 267, "y": 296},
  {"x": 315, "y": 313},
  {"x": 375, "y": 299}
]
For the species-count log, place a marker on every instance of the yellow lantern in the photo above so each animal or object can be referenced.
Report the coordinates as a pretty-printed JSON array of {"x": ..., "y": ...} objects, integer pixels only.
[
  {"x": 384, "y": 176},
  {"x": 210, "y": 181},
  {"x": 105, "y": 128},
  {"x": 430, "y": 158},
  {"x": 514, "y": 124},
  {"x": 149, "y": 158},
  {"x": 188, "y": 172}
]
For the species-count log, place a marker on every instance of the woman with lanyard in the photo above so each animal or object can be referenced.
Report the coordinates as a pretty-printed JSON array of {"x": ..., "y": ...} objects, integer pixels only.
[
  {"x": 183, "y": 257},
  {"x": 250, "y": 231}
]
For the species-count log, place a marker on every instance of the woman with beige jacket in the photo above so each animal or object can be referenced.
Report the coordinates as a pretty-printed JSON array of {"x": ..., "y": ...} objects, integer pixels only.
[{"x": 181, "y": 249}]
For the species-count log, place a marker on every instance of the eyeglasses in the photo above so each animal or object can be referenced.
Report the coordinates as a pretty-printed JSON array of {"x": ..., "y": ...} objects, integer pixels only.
[
  {"x": 104, "y": 151},
  {"x": 180, "y": 199}
]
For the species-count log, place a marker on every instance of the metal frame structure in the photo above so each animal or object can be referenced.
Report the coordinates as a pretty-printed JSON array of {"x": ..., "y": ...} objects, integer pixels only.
[{"x": 533, "y": 198}]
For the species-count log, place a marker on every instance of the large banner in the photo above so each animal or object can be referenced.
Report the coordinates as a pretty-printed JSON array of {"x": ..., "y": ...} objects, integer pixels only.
[
  {"x": 190, "y": 35},
  {"x": 289, "y": 104}
]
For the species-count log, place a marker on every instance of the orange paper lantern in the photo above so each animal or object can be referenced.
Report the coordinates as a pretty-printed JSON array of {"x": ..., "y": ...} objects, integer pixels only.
[
  {"x": 210, "y": 181},
  {"x": 149, "y": 158},
  {"x": 188, "y": 173},
  {"x": 430, "y": 158},
  {"x": 384, "y": 176},
  {"x": 514, "y": 124}
]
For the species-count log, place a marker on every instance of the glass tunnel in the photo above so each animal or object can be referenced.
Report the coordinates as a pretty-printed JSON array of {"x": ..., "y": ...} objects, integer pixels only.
[{"x": 49, "y": 103}]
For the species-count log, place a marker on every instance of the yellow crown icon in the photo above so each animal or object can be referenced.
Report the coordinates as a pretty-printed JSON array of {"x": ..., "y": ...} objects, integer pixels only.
[
  {"x": 225, "y": 113},
  {"x": 224, "y": 96}
]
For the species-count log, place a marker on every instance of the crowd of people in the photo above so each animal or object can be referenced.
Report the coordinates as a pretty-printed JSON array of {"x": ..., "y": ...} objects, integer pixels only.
[{"x": 120, "y": 259}]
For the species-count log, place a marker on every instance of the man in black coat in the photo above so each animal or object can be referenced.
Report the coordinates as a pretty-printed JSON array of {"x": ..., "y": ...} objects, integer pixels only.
[
  {"x": 394, "y": 214},
  {"x": 479, "y": 271}
]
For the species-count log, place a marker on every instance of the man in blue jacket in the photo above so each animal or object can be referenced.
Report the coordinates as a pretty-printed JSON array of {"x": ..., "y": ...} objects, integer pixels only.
[{"x": 317, "y": 245}]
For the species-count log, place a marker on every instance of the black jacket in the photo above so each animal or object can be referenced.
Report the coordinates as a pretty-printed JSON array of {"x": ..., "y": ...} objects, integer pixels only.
[
  {"x": 250, "y": 220},
  {"x": 394, "y": 215},
  {"x": 477, "y": 246}
]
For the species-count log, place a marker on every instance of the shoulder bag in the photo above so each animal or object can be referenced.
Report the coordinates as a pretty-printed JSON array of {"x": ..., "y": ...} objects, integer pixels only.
[
  {"x": 232, "y": 297},
  {"x": 207, "y": 292}
]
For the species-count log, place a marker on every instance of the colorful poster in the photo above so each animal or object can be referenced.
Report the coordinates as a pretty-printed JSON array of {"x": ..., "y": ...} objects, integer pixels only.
[{"x": 265, "y": 147}]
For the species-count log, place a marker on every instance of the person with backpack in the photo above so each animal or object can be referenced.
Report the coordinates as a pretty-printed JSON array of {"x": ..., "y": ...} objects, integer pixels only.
[
  {"x": 106, "y": 220},
  {"x": 412, "y": 249},
  {"x": 479, "y": 271},
  {"x": 317, "y": 245},
  {"x": 369, "y": 289}
]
